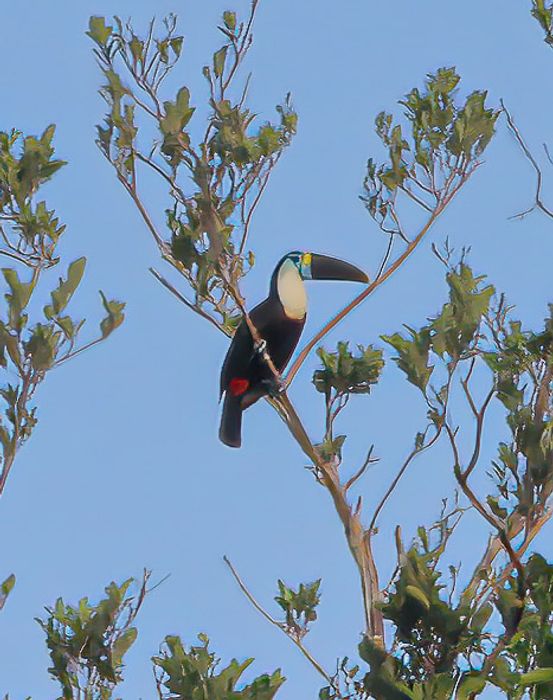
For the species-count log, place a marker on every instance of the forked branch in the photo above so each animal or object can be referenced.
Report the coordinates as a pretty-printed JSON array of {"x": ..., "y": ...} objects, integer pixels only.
[
  {"x": 294, "y": 638},
  {"x": 538, "y": 201}
]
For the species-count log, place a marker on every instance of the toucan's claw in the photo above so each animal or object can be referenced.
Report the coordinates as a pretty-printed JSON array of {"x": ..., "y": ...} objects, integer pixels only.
[
  {"x": 274, "y": 386},
  {"x": 260, "y": 347}
]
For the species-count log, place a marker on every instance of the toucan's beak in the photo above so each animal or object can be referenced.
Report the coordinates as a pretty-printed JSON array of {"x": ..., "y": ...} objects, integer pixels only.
[{"x": 324, "y": 267}]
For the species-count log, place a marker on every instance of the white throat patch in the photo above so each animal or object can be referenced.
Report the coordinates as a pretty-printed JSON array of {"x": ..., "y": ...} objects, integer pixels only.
[{"x": 291, "y": 291}]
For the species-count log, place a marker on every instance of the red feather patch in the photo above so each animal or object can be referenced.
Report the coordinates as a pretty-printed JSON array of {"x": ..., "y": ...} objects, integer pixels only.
[{"x": 238, "y": 386}]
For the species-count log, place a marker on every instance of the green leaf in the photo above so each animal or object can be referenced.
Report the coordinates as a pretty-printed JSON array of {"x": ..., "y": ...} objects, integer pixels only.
[
  {"x": 69, "y": 327},
  {"x": 65, "y": 290},
  {"x": 229, "y": 19},
  {"x": 481, "y": 617},
  {"x": 219, "y": 58},
  {"x": 537, "y": 676},
  {"x": 42, "y": 347},
  {"x": 115, "y": 315},
  {"x": 123, "y": 643},
  {"x": 330, "y": 450},
  {"x": 418, "y": 595},
  {"x": 413, "y": 356},
  {"x": 98, "y": 31},
  {"x": 381, "y": 680},
  {"x": 176, "y": 45},
  {"x": 510, "y": 608},
  {"x": 177, "y": 114},
  {"x": 471, "y": 686},
  {"x": 10, "y": 342},
  {"x": 5, "y": 589},
  {"x": 18, "y": 298},
  {"x": 455, "y": 328},
  {"x": 496, "y": 509},
  {"x": 137, "y": 48},
  {"x": 347, "y": 372}
]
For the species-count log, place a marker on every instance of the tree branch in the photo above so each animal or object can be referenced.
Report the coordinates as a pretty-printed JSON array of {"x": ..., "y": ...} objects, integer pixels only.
[
  {"x": 359, "y": 545},
  {"x": 388, "y": 272},
  {"x": 538, "y": 203},
  {"x": 416, "y": 451},
  {"x": 298, "y": 643},
  {"x": 196, "y": 309}
]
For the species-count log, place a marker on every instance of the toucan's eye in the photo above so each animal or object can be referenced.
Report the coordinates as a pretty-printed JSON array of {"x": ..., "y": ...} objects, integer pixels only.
[
  {"x": 306, "y": 259},
  {"x": 296, "y": 259}
]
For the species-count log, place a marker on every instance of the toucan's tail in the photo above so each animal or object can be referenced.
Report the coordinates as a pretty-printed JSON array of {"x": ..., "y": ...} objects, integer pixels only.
[{"x": 230, "y": 430}]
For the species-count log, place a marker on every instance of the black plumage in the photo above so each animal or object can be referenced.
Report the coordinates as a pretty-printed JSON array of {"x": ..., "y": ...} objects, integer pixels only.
[
  {"x": 242, "y": 362},
  {"x": 245, "y": 376}
]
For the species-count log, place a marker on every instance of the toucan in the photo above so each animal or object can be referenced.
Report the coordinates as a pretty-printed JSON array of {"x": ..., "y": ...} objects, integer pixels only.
[{"x": 279, "y": 320}]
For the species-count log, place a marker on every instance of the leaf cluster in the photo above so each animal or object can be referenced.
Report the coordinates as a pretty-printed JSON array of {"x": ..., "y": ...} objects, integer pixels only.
[
  {"x": 88, "y": 642},
  {"x": 543, "y": 13},
  {"x": 194, "y": 674},
  {"x": 451, "y": 335},
  {"x": 300, "y": 607},
  {"x": 32, "y": 344},
  {"x": 214, "y": 181},
  {"x": 432, "y": 153},
  {"x": 29, "y": 230},
  {"x": 433, "y": 630},
  {"x": 344, "y": 372},
  {"x": 530, "y": 651},
  {"x": 437, "y": 640}
]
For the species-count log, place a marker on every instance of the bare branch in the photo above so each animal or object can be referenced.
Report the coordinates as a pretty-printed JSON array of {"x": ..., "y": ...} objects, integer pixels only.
[
  {"x": 416, "y": 451},
  {"x": 416, "y": 199},
  {"x": 388, "y": 272},
  {"x": 298, "y": 643},
  {"x": 538, "y": 202},
  {"x": 193, "y": 307},
  {"x": 368, "y": 460}
]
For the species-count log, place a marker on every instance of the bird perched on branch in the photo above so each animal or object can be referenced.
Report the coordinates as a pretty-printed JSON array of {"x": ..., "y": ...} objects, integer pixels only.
[{"x": 246, "y": 376}]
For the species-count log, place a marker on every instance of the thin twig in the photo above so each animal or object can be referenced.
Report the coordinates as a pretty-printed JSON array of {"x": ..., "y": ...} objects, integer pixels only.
[
  {"x": 386, "y": 256},
  {"x": 398, "y": 476},
  {"x": 20, "y": 410},
  {"x": 80, "y": 350},
  {"x": 152, "y": 164},
  {"x": 462, "y": 479},
  {"x": 359, "y": 473},
  {"x": 145, "y": 216},
  {"x": 539, "y": 177},
  {"x": 415, "y": 199},
  {"x": 254, "y": 204},
  {"x": 478, "y": 439},
  {"x": 298, "y": 643},
  {"x": 197, "y": 309},
  {"x": 359, "y": 546},
  {"x": 528, "y": 539},
  {"x": 363, "y": 295}
]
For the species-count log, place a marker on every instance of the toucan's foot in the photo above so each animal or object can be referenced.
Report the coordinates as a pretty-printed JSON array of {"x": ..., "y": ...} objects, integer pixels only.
[
  {"x": 260, "y": 347},
  {"x": 274, "y": 386}
]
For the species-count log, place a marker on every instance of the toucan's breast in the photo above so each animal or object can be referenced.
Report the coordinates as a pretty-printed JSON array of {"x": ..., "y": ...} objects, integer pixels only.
[
  {"x": 244, "y": 371},
  {"x": 291, "y": 291}
]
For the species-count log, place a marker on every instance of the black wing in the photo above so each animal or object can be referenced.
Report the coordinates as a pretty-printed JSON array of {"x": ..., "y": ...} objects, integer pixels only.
[
  {"x": 238, "y": 356},
  {"x": 281, "y": 334}
]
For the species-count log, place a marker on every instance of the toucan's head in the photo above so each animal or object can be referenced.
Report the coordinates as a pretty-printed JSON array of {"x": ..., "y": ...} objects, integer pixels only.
[
  {"x": 287, "y": 285},
  {"x": 312, "y": 266}
]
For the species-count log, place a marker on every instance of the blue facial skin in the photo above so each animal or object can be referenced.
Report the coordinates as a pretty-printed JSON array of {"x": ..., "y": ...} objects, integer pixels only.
[
  {"x": 305, "y": 269},
  {"x": 303, "y": 262}
]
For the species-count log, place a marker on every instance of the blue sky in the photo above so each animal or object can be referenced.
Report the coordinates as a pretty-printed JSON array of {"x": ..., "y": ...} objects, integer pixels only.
[{"x": 124, "y": 469}]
